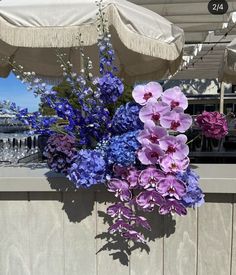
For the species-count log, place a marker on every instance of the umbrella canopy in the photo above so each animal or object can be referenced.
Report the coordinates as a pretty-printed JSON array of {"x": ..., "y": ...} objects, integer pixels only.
[
  {"x": 228, "y": 69},
  {"x": 147, "y": 45}
]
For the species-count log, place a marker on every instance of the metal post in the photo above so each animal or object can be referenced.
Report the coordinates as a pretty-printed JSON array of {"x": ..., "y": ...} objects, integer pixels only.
[{"x": 222, "y": 95}]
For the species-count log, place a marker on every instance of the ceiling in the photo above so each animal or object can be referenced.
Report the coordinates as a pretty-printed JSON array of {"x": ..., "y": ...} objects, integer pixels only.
[{"x": 202, "y": 31}]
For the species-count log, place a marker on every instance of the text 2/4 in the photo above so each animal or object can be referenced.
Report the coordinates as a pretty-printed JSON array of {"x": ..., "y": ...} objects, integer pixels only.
[{"x": 218, "y": 6}]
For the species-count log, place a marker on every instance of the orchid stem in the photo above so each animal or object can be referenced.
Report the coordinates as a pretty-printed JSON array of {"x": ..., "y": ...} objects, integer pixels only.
[{"x": 194, "y": 139}]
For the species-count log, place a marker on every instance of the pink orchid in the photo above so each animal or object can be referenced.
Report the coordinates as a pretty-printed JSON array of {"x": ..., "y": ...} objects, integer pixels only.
[
  {"x": 171, "y": 165},
  {"x": 175, "y": 146},
  {"x": 176, "y": 120},
  {"x": 151, "y": 134},
  {"x": 172, "y": 187},
  {"x": 143, "y": 93},
  {"x": 153, "y": 111},
  {"x": 174, "y": 97},
  {"x": 150, "y": 178},
  {"x": 150, "y": 154}
]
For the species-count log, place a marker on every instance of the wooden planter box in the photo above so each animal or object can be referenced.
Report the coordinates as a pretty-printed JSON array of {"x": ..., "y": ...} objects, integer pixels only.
[{"x": 48, "y": 228}]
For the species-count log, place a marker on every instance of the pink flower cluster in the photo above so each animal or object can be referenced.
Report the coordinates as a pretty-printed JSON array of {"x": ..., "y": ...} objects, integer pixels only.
[
  {"x": 163, "y": 112},
  {"x": 165, "y": 157},
  {"x": 212, "y": 124}
]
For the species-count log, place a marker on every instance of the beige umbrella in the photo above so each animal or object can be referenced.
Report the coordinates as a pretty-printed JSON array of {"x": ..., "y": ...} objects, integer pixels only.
[
  {"x": 228, "y": 69},
  {"x": 147, "y": 45}
]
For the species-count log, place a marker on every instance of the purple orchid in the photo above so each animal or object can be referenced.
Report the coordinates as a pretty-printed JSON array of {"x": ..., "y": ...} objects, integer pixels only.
[
  {"x": 150, "y": 178},
  {"x": 141, "y": 221},
  {"x": 134, "y": 235},
  {"x": 172, "y": 206},
  {"x": 176, "y": 120},
  {"x": 172, "y": 187},
  {"x": 120, "y": 226},
  {"x": 174, "y": 97},
  {"x": 120, "y": 188},
  {"x": 143, "y": 93},
  {"x": 153, "y": 111},
  {"x": 132, "y": 178},
  {"x": 171, "y": 165},
  {"x": 150, "y": 154},
  {"x": 147, "y": 200},
  {"x": 175, "y": 146},
  {"x": 119, "y": 211},
  {"x": 151, "y": 134}
]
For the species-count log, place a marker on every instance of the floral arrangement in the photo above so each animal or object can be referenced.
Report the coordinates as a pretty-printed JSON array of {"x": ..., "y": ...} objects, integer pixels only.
[{"x": 140, "y": 152}]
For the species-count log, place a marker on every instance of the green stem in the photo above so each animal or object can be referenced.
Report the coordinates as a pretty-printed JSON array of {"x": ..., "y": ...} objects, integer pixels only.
[{"x": 194, "y": 139}]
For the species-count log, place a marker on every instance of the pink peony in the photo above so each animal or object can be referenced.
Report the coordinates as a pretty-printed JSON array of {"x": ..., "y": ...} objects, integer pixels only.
[
  {"x": 174, "y": 97},
  {"x": 143, "y": 93},
  {"x": 212, "y": 124}
]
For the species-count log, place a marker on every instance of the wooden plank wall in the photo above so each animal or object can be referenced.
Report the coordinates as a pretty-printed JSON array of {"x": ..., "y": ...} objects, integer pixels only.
[{"x": 64, "y": 233}]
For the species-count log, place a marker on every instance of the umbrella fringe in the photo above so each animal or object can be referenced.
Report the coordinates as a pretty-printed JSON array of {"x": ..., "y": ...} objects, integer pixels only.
[{"x": 64, "y": 37}]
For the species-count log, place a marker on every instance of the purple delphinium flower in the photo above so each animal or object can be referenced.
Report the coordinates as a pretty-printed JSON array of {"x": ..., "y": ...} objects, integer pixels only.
[
  {"x": 60, "y": 152},
  {"x": 147, "y": 200},
  {"x": 151, "y": 133},
  {"x": 175, "y": 146},
  {"x": 176, "y": 120},
  {"x": 172, "y": 206},
  {"x": 150, "y": 154},
  {"x": 174, "y": 97},
  {"x": 150, "y": 178},
  {"x": 153, "y": 111},
  {"x": 143, "y": 93},
  {"x": 120, "y": 188},
  {"x": 171, "y": 165},
  {"x": 171, "y": 186},
  {"x": 111, "y": 88},
  {"x": 212, "y": 124}
]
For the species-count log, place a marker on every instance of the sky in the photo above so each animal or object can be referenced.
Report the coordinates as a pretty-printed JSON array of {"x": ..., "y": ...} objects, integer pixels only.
[{"x": 12, "y": 89}]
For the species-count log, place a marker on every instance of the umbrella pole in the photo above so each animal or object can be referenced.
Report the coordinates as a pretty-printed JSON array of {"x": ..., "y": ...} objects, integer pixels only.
[{"x": 222, "y": 95}]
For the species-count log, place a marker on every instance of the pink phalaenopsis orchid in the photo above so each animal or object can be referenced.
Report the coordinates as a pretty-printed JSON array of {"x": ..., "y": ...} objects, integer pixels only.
[
  {"x": 174, "y": 97},
  {"x": 153, "y": 111},
  {"x": 170, "y": 165},
  {"x": 175, "y": 146},
  {"x": 143, "y": 93},
  {"x": 176, "y": 120},
  {"x": 147, "y": 200},
  {"x": 172, "y": 187},
  {"x": 150, "y": 178},
  {"x": 150, "y": 154},
  {"x": 120, "y": 188},
  {"x": 151, "y": 134}
]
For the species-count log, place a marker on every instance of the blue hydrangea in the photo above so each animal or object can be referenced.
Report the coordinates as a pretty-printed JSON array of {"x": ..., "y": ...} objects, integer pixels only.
[
  {"x": 88, "y": 169},
  {"x": 122, "y": 149},
  {"x": 194, "y": 196},
  {"x": 111, "y": 88},
  {"x": 126, "y": 118}
]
